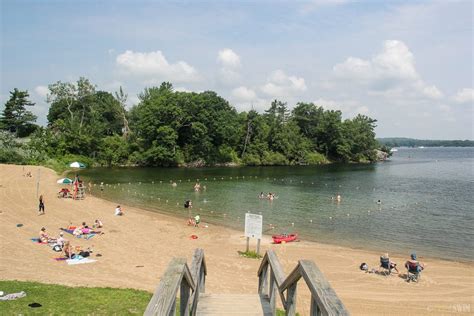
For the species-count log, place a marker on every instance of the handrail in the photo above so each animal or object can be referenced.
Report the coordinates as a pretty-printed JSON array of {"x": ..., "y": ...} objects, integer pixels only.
[
  {"x": 324, "y": 300},
  {"x": 198, "y": 272},
  {"x": 178, "y": 276}
]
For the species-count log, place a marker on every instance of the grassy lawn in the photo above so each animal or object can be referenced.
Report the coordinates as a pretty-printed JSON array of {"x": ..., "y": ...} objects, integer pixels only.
[{"x": 64, "y": 300}]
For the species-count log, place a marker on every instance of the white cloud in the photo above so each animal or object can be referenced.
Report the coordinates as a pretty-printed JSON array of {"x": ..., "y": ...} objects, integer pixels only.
[
  {"x": 281, "y": 85},
  {"x": 229, "y": 73},
  {"x": 464, "y": 96},
  {"x": 391, "y": 72},
  {"x": 349, "y": 108},
  {"x": 228, "y": 58},
  {"x": 154, "y": 64},
  {"x": 42, "y": 91},
  {"x": 244, "y": 94}
]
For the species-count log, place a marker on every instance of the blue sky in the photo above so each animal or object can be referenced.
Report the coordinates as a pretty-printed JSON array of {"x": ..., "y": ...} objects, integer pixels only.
[{"x": 409, "y": 64}]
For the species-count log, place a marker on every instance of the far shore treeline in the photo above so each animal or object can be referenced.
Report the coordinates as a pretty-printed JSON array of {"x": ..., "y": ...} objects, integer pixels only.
[
  {"x": 173, "y": 128},
  {"x": 410, "y": 142}
]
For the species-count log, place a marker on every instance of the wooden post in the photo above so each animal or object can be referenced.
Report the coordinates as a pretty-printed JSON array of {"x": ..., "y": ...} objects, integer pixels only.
[
  {"x": 272, "y": 293},
  {"x": 258, "y": 247},
  {"x": 184, "y": 298},
  {"x": 314, "y": 307},
  {"x": 291, "y": 300},
  {"x": 248, "y": 240}
]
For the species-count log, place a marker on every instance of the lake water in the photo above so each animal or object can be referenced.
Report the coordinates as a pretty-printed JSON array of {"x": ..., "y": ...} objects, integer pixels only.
[{"x": 426, "y": 196}]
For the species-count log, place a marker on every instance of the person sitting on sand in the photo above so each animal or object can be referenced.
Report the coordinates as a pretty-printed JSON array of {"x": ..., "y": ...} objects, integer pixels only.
[
  {"x": 413, "y": 265},
  {"x": 61, "y": 241},
  {"x": 191, "y": 222},
  {"x": 98, "y": 224},
  {"x": 43, "y": 235},
  {"x": 68, "y": 250},
  {"x": 386, "y": 263},
  {"x": 118, "y": 211}
]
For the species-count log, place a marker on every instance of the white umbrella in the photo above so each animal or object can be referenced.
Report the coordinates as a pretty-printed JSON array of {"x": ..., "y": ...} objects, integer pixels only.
[{"x": 77, "y": 164}]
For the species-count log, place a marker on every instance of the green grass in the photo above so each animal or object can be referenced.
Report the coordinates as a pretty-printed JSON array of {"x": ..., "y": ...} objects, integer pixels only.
[
  {"x": 64, "y": 300},
  {"x": 249, "y": 254}
]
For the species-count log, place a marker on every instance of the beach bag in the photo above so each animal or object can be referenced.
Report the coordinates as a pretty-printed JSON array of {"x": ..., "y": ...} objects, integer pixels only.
[{"x": 57, "y": 248}]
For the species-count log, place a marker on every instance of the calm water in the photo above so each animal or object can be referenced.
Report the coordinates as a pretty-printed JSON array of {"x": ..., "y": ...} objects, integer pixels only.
[{"x": 427, "y": 199}]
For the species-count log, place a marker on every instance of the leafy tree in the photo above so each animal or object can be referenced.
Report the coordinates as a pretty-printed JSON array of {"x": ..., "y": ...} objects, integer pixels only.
[
  {"x": 16, "y": 118},
  {"x": 113, "y": 150},
  {"x": 73, "y": 98},
  {"x": 121, "y": 97}
]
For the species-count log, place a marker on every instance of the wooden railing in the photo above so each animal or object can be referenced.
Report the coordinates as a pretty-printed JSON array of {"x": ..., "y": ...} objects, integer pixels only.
[
  {"x": 324, "y": 300},
  {"x": 179, "y": 276}
]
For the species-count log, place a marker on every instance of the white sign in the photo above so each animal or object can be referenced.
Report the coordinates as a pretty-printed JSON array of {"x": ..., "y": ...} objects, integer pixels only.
[{"x": 253, "y": 225}]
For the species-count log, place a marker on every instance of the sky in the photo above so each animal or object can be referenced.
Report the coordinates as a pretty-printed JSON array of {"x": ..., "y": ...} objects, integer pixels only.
[{"x": 408, "y": 64}]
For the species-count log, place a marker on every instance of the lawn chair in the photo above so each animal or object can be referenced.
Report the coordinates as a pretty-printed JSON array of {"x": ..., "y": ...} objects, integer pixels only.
[
  {"x": 414, "y": 271},
  {"x": 385, "y": 265}
]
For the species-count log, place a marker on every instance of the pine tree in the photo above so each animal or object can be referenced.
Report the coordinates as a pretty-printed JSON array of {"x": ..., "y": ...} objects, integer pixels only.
[{"x": 15, "y": 118}]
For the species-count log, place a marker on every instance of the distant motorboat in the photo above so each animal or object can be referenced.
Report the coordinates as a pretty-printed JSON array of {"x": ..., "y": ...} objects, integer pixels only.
[
  {"x": 421, "y": 147},
  {"x": 393, "y": 150}
]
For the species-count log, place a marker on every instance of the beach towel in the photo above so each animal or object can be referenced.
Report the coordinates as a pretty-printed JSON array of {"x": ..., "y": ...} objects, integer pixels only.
[
  {"x": 37, "y": 240},
  {"x": 80, "y": 260},
  {"x": 85, "y": 236},
  {"x": 12, "y": 296},
  {"x": 60, "y": 259}
]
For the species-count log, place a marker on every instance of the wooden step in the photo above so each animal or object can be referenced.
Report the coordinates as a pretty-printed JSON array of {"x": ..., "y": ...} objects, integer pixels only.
[{"x": 233, "y": 304}]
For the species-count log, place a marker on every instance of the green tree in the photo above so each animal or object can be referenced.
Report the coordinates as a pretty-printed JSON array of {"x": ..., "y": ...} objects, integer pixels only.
[{"x": 16, "y": 118}]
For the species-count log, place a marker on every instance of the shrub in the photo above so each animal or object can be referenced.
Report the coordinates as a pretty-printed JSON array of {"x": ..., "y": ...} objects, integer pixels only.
[{"x": 315, "y": 158}]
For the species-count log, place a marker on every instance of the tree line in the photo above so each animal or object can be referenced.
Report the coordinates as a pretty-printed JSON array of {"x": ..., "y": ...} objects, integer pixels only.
[
  {"x": 173, "y": 128},
  {"x": 410, "y": 142}
]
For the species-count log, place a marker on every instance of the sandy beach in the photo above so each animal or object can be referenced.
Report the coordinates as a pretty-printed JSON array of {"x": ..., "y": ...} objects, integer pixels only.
[{"x": 136, "y": 249}]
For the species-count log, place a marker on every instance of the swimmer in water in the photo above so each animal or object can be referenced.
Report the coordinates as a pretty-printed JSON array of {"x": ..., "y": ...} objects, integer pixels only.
[{"x": 379, "y": 202}]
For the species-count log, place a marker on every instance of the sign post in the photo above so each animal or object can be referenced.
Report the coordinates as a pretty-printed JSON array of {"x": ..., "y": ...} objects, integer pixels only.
[{"x": 253, "y": 229}]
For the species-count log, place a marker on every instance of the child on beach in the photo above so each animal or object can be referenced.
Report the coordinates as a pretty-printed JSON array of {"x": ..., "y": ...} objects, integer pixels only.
[
  {"x": 118, "y": 211},
  {"x": 98, "y": 224}
]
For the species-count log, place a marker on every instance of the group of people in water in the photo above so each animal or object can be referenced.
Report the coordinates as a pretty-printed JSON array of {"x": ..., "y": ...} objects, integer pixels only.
[{"x": 270, "y": 196}]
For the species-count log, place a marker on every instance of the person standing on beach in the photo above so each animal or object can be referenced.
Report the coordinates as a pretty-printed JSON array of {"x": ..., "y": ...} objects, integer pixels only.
[{"x": 41, "y": 205}]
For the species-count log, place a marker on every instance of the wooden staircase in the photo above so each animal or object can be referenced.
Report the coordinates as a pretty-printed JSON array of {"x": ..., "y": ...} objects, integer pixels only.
[
  {"x": 233, "y": 305},
  {"x": 272, "y": 284}
]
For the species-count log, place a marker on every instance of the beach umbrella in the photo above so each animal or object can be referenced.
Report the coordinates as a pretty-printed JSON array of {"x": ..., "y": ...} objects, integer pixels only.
[
  {"x": 77, "y": 164},
  {"x": 64, "y": 181}
]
